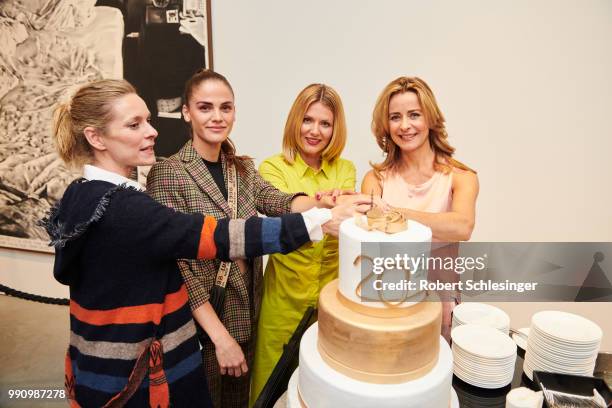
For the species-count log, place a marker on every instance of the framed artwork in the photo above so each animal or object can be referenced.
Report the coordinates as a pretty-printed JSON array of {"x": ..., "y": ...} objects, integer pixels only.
[{"x": 50, "y": 48}]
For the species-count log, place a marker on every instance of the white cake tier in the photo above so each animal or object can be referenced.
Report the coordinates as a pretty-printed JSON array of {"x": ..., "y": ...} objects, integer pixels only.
[
  {"x": 293, "y": 398},
  {"x": 320, "y": 386},
  {"x": 351, "y": 257}
]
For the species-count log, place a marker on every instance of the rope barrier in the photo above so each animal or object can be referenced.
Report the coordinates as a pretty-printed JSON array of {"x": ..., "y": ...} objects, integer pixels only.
[{"x": 34, "y": 298}]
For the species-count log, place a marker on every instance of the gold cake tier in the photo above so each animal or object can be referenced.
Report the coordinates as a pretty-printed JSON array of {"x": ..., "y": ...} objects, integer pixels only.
[{"x": 378, "y": 349}]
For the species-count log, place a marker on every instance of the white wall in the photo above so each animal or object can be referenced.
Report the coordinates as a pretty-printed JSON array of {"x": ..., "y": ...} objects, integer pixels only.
[
  {"x": 30, "y": 272},
  {"x": 525, "y": 86}
]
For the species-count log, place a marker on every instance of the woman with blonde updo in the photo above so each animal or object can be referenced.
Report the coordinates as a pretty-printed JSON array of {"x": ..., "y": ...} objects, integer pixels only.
[
  {"x": 419, "y": 175},
  {"x": 132, "y": 338}
]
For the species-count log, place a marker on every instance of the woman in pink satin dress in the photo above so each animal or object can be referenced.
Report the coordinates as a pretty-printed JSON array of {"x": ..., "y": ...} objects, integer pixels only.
[{"x": 419, "y": 175}]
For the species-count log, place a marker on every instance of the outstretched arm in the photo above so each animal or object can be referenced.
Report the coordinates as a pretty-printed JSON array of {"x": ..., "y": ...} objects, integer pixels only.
[{"x": 271, "y": 183}]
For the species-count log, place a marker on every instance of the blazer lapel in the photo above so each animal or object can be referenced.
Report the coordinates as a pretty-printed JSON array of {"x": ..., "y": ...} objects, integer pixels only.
[{"x": 202, "y": 177}]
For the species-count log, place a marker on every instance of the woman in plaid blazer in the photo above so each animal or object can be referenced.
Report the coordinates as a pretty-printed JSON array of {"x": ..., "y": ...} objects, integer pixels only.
[{"x": 195, "y": 180}]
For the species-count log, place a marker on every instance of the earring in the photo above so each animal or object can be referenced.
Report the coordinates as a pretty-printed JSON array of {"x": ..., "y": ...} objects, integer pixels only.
[{"x": 384, "y": 144}]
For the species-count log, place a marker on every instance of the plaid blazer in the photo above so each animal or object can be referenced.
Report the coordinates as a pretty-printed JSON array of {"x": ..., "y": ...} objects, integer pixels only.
[{"x": 184, "y": 183}]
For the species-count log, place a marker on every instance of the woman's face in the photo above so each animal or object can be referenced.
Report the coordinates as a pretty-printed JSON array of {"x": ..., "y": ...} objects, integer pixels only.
[
  {"x": 407, "y": 124},
  {"x": 129, "y": 137},
  {"x": 210, "y": 112},
  {"x": 316, "y": 130}
]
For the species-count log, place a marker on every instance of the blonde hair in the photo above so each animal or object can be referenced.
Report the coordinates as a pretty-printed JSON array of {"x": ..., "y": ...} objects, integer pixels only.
[
  {"x": 227, "y": 147},
  {"x": 91, "y": 106},
  {"x": 438, "y": 136},
  {"x": 309, "y": 95}
]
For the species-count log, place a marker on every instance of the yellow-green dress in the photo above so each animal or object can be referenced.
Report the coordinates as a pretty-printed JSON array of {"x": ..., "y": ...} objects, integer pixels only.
[{"x": 293, "y": 282}]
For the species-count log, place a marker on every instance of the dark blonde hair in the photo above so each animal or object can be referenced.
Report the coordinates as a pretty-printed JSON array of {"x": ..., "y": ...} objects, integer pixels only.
[
  {"x": 91, "y": 106},
  {"x": 435, "y": 120},
  {"x": 228, "y": 147},
  {"x": 309, "y": 95}
]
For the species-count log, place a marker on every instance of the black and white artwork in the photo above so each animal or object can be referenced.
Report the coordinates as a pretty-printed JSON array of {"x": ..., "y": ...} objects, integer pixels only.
[{"x": 48, "y": 48}]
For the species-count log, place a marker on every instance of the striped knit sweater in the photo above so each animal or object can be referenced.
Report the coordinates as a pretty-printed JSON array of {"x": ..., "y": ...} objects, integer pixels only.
[{"x": 133, "y": 341}]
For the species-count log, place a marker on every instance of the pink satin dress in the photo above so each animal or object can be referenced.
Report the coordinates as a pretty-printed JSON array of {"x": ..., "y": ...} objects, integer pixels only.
[{"x": 434, "y": 196}]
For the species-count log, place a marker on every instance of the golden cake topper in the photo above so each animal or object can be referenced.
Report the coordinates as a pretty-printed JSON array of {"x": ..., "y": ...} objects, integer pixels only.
[{"x": 389, "y": 222}]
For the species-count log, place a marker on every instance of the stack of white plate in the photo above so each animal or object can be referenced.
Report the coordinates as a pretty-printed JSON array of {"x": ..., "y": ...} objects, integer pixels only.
[
  {"x": 483, "y": 356},
  {"x": 483, "y": 314},
  {"x": 561, "y": 342}
]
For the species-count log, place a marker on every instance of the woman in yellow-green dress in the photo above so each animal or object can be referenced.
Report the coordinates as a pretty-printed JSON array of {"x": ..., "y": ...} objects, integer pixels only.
[{"x": 314, "y": 137}]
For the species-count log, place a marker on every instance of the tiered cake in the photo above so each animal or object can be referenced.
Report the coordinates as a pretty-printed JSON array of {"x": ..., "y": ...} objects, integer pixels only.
[{"x": 373, "y": 353}]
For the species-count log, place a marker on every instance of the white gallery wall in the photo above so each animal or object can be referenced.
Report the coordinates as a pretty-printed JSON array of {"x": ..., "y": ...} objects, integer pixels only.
[{"x": 525, "y": 86}]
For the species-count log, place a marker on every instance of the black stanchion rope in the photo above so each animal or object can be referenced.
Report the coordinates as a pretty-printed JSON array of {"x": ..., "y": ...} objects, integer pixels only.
[{"x": 34, "y": 298}]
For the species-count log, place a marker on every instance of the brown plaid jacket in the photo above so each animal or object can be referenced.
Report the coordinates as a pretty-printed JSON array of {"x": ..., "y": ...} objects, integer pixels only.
[{"x": 184, "y": 183}]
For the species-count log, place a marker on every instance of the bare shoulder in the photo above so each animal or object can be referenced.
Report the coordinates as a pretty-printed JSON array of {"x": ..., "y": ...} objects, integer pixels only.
[
  {"x": 465, "y": 179},
  {"x": 371, "y": 183},
  {"x": 371, "y": 177}
]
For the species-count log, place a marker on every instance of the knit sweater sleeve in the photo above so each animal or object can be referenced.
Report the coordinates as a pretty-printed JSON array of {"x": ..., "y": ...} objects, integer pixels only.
[
  {"x": 142, "y": 225},
  {"x": 141, "y": 222}
]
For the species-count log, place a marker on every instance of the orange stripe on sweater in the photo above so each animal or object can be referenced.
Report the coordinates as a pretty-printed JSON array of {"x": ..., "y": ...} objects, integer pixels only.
[
  {"x": 207, "y": 248},
  {"x": 152, "y": 312}
]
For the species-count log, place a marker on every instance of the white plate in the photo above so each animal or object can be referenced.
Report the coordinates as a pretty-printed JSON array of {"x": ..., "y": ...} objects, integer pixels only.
[
  {"x": 484, "y": 360},
  {"x": 567, "y": 344},
  {"x": 528, "y": 370},
  {"x": 520, "y": 341},
  {"x": 479, "y": 362},
  {"x": 545, "y": 354},
  {"x": 484, "y": 365},
  {"x": 466, "y": 377},
  {"x": 567, "y": 352},
  {"x": 485, "y": 373},
  {"x": 567, "y": 327},
  {"x": 540, "y": 342},
  {"x": 567, "y": 368},
  {"x": 501, "y": 373},
  {"x": 532, "y": 362},
  {"x": 466, "y": 363},
  {"x": 481, "y": 313},
  {"x": 482, "y": 341}
]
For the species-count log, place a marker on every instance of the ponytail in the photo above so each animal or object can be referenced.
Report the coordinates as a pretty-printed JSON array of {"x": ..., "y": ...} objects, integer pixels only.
[
  {"x": 229, "y": 149},
  {"x": 71, "y": 147},
  {"x": 91, "y": 106}
]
